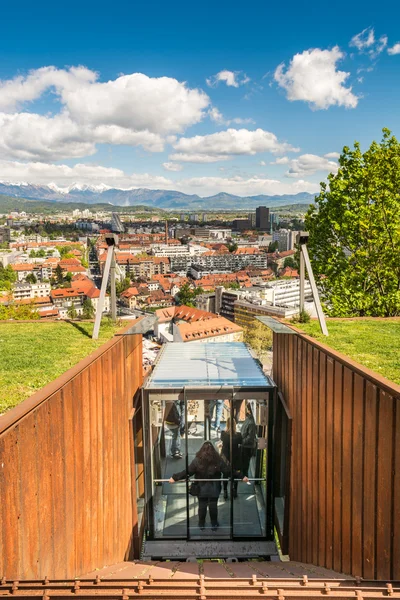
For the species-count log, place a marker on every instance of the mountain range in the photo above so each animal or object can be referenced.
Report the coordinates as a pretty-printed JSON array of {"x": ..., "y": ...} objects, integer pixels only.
[{"x": 163, "y": 199}]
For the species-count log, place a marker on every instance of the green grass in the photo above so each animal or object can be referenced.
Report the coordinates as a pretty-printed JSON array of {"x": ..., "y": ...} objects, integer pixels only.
[
  {"x": 374, "y": 343},
  {"x": 33, "y": 354}
]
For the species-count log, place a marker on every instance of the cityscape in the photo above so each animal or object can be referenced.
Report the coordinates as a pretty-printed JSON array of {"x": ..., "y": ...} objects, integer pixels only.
[{"x": 199, "y": 300}]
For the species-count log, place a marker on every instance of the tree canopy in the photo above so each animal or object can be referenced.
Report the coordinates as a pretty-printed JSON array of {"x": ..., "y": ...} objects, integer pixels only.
[{"x": 354, "y": 231}]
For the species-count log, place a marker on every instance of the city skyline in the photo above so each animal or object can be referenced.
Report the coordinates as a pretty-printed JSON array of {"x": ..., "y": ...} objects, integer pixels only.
[{"x": 201, "y": 103}]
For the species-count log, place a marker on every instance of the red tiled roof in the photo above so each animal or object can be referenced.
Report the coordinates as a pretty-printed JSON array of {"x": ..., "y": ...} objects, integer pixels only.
[
  {"x": 209, "y": 328},
  {"x": 184, "y": 313},
  {"x": 22, "y": 267}
]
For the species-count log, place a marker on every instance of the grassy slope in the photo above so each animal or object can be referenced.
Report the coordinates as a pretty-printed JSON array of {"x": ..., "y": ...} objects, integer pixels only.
[
  {"x": 33, "y": 354},
  {"x": 374, "y": 343}
]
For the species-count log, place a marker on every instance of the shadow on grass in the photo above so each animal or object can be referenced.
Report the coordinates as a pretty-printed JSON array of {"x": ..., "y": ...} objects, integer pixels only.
[{"x": 78, "y": 327}]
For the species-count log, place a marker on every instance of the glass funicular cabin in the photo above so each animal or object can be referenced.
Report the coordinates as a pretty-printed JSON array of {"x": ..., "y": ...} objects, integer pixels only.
[{"x": 217, "y": 390}]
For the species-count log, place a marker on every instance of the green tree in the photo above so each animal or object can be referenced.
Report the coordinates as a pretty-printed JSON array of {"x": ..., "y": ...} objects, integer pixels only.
[
  {"x": 273, "y": 247},
  {"x": 258, "y": 337},
  {"x": 233, "y": 285},
  {"x": 59, "y": 274},
  {"x": 187, "y": 296},
  {"x": 121, "y": 286},
  {"x": 232, "y": 247},
  {"x": 72, "y": 312},
  {"x": 7, "y": 277},
  {"x": 88, "y": 309},
  {"x": 25, "y": 312},
  {"x": 354, "y": 231},
  {"x": 290, "y": 262},
  {"x": 31, "y": 278}
]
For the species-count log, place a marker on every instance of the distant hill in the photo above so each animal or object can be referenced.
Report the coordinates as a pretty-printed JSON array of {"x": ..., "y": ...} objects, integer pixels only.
[
  {"x": 10, "y": 204},
  {"x": 160, "y": 199}
]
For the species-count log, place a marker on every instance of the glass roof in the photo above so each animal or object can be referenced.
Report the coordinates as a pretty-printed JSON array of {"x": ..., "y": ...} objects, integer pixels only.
[{"x": 206, "y": 365}]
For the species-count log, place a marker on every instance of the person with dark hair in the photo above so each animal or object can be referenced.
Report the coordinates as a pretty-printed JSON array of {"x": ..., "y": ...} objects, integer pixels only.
[
  {"x": 175, "y": 421},
  {"x": 249, "y": 439},
  {"x": 207, "y": 464},
  {"x": 236, "y": 453}
]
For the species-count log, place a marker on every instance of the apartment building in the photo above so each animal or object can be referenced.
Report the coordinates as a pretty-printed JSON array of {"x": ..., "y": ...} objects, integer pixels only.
[
  {"x": 23, "y": 290},
  {"x": 225, "y": 263}
]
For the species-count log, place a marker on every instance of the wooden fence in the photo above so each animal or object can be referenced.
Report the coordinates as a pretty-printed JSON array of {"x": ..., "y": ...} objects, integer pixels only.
[
  {"x": 345, "y": 465},
  {"x": 67, "y": 503}
]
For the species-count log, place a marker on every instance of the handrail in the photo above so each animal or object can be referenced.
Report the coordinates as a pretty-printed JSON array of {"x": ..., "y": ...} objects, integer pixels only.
[{"x": 222, "y": 479}]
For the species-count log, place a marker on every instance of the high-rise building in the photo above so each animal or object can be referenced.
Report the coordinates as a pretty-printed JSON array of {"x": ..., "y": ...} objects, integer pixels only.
[
  {"x": 252, "y": 219},
  {"x": 262, "y": 218}
]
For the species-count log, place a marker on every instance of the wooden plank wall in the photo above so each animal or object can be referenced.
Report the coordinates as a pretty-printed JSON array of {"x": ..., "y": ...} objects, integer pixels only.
[
  {"x": 345, "y": 470},
  {"x": 65, "y": 469}
]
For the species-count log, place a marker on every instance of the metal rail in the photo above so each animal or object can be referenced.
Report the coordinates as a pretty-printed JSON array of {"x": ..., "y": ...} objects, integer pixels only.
[
  {"x": 222, "y": 479},
  {"x": 202, "y": 588}
]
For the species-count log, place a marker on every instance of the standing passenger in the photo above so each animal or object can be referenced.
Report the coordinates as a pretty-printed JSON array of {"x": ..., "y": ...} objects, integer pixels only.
[
  {"x": 249, "y": 439},
  {"x": 236, "y": 453}
]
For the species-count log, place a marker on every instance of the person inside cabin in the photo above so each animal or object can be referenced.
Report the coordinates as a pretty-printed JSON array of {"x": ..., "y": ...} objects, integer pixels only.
[
  {"x": 175, "y": 422},
  {"x": 209, "y": 465},
  {"x": 236, "y": 437},
  {"x": 249, "y": 439}
]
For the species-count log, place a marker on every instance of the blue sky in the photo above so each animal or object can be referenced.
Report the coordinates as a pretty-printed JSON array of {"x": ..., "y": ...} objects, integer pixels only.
[{"x": 246, "y": 98}]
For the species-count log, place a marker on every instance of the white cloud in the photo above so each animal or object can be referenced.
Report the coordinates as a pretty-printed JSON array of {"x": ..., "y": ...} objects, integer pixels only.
[
  {"x": 62, "y": 176},
  {"x": 218, "y": 117},
  {"x": 262, "y": 163},
  {"x": 231, "y": 78},
  {"x": 366, "y": 43},
  {"x": 394, "y": 49},
  {"x": 171, "y": 166},
  {"x": 308, "y": 164},
  {"x": 133, "y": 110},
  {"x": 332, "y": 155},
  {"x": 312, "y": 76},
  {"x": 283, "y": 160},
  {"x": 363, "y": 40},
  {"x": 227, "y": 144}
]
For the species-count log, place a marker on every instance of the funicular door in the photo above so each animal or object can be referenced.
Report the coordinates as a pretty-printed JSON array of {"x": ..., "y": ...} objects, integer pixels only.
[{"x": 241, "y": 432}]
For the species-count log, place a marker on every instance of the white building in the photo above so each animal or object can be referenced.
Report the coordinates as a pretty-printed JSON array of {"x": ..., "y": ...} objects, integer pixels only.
[
  {"x": 23, "y": 291},
  {"x": 286, "y": 239},
  {"x": 170, "y": 251}
]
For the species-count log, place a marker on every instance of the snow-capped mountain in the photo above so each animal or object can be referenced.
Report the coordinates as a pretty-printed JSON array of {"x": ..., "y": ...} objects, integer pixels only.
[{"x": 166, "y": 199}]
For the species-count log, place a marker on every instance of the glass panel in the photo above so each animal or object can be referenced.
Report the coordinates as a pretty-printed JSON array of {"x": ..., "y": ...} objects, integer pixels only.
[
  {"x": 209, "y": 513},
  {"x": 168, "y": 458},
  {"x": 139, "y": 459},
  {"x": 249, "y": 505}
]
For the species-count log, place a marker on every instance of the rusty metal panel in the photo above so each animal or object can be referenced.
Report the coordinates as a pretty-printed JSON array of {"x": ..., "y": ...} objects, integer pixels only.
[
  {"x": 308, "y": 450},
  {"x": 58, "y": 483},
  {"x": 357, "y": 476},
  {"x": 384, "y": 485},
  {"x": 45, "y": 490},
  {"x": 369, "y": 507},
  {"x": 69, "y": 474},
  {"x": 27, "y": 444},
  {"x": 321, "y": 472},
  {"x": 347, "y": 468},
  {"x": 330, "y": 365},
  {"x": 396, "y": 493},
  {"x": 315, "y": 445},
  {"x": 337, "y": 466}
]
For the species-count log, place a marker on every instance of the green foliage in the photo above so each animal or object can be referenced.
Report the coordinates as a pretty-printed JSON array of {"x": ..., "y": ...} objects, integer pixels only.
[
  {"x": 302, "y": 317},
  {"x": 187, "y": 296},
  {"x": 121, "y": 286},
  {"x": 290, "y": 262},
  {"x": 59, "y": 274},
  {"x": 72, "y": 312},
  {"x": 64, "y": 251},
  {"x": 31, "y": 278},
  {"x": 24, "y": 312},
  {"x": 232, "y": 247},
  {"x": 7, "y": 278},
  {"x": 258, "y": 337},
  {"x": 33, "y": 354},
  {"x": 354, "y": 230},
  {"x": 88, "y": 309},
  {"x": 41, "y": 253},
  {"x": 374, "y": 343},
  {"x": 273, "y": 247},
  {"x": 233, "y": 285}
]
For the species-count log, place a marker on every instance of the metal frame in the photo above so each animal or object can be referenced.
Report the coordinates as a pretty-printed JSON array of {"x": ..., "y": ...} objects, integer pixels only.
[{"x": 202, "y": 393}]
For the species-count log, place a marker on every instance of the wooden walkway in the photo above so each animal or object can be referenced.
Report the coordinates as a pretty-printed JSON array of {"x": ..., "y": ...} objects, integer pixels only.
[{"x": 213, "y": 570}]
